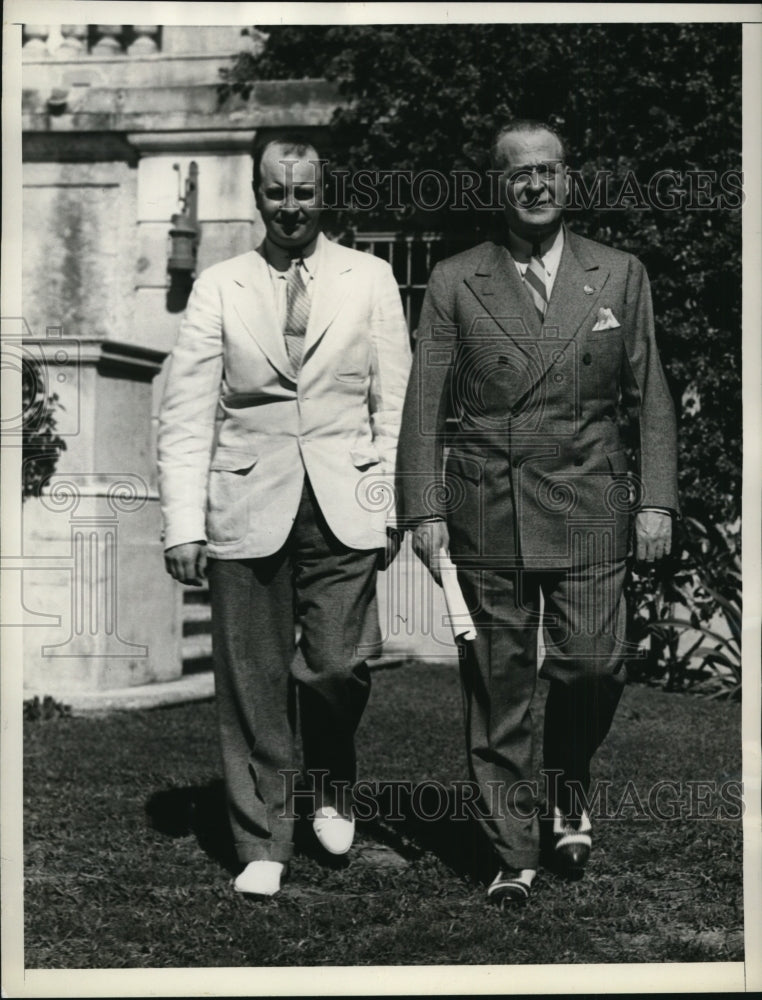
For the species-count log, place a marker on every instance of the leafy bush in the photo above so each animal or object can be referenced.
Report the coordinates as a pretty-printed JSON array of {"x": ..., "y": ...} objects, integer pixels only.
[
  {"x": 699, "y": 646},
  {"x": 41, "y": 445},
  {"x": 45, "y": 710}
]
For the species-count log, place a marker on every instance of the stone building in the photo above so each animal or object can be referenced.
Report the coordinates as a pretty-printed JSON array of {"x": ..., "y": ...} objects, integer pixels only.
[{"x": 114, "y": 117}]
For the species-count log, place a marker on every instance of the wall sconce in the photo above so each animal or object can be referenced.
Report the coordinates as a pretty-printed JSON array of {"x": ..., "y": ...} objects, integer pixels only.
[
  {"x": 184, "y": 234},
  {"x": 58, "y": 101}
]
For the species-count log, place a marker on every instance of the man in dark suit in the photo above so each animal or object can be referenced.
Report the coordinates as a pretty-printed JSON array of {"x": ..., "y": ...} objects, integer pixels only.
[{"x": 527, "y": 347}]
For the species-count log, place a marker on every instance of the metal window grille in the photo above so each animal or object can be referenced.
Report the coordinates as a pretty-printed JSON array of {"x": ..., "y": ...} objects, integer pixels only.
[{"x": 412, "y": 258}]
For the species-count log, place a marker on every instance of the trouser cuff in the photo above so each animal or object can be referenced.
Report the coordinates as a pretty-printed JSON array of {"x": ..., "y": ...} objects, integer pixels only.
[
  {"x": 519, "y": 860},
  {"x": 264, "y": 851}
]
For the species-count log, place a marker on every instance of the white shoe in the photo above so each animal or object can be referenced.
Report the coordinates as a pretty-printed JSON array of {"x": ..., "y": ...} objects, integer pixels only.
[
  {"x": 334, "y": 831},
  {"x": 260, "y": 878}
]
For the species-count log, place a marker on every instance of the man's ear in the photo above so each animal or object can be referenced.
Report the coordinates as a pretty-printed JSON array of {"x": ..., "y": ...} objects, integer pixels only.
[{"x": 567, "y": 183}]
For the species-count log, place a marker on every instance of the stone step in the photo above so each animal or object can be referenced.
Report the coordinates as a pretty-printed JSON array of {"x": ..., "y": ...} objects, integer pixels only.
[
  {"x": 196, "y": 646},
  {"x": 196, "y": 612},
  {"x": 412, "y": 616},
  {"x": 197, "y": 625}
]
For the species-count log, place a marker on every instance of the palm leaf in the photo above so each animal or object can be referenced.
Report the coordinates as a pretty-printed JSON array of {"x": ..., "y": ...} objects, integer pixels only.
[
  {"x": 709, "y": 654},
  {"x": 682, "y": 623}
]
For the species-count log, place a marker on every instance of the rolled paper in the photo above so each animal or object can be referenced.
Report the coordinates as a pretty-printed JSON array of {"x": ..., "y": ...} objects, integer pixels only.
[{"x": 460, "y": 619}]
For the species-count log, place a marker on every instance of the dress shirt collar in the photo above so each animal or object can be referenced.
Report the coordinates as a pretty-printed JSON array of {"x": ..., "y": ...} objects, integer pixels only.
[
  {"x": 551, "y": 249},
  {"x": 280, "y": 260}
]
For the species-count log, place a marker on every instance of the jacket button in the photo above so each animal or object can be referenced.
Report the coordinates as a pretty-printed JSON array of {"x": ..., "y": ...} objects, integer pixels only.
[
  {"x": 587, "y": 359},
  {"x": 516, "y": 463},
  {"x": 579, "y": 461}
]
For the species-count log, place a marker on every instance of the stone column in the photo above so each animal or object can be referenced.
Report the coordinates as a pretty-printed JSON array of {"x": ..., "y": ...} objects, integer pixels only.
[{"x": 100, "y": 611}]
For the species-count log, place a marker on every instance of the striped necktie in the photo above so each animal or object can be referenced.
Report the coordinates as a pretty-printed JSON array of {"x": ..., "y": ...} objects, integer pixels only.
[
  {"x": 297, "y": 313},
  {"x": 534, "y": 276}
]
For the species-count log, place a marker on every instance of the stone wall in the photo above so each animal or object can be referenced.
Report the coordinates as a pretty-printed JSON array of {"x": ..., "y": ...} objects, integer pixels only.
[{"x": 109, "y": 132}]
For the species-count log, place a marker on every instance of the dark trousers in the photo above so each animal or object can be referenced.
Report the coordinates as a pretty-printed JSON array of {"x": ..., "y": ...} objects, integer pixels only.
[
  {"x": 584, "y": 629},
  {"x": 329, "y": 590}
]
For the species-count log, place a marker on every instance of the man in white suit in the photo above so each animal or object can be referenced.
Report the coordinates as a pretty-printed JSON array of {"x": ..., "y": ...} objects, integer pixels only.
[{"x": 302, "y": 346}]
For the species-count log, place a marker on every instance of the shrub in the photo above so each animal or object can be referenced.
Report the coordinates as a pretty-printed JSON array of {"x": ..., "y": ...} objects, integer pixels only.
[
  {"x": 697, "y": 647},
  {"x": 41, "y": 445},
  {"x": 45, "y": 710}
]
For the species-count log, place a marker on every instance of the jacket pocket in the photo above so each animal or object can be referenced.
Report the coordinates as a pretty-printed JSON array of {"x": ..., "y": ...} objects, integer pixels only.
[
  {"x": 363, "y": 458},
  {"x": 353, "y": 364},
  {"x": 229, "y": 494},
  {"x": 232, "y": 460},
  {"x": 461, "y": 465},
  {"x": 617, "y": 461},
  {"x": 612, "y": 335}
]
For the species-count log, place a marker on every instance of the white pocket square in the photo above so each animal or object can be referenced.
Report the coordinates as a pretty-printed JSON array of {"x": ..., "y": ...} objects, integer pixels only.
[{"x": 606, "y": 320}]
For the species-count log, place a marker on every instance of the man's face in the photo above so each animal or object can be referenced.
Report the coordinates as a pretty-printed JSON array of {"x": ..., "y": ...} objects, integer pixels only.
[
  {"x": 288, "y": 196},
  {"x": 535, "y": 183}
]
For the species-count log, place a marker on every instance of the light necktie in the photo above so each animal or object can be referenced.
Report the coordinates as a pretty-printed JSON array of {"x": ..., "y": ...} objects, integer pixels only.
[
  {"x": 297, "y": 313},
  {"x": 534, "y": 276}
]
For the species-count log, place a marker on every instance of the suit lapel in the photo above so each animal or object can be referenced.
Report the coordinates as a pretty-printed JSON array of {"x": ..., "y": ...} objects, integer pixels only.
[
  {"x": 332, "y": 283},
  {"x": 254, "y": 301},
  {"x": 497, "y": 285},
  {"x": 576, "y": 290}
]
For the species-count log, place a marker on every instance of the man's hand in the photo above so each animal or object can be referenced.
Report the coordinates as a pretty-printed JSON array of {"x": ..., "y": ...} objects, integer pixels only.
[
  {"x": 428, "y": 538},
  {"x": 653, "y": 535},
  {"x": 187, "y": 563},
  {"x": 389, "y": 553}
]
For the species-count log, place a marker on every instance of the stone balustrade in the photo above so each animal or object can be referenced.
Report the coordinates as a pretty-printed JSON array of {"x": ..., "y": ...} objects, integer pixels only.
[{"x": 71, "y": 41}]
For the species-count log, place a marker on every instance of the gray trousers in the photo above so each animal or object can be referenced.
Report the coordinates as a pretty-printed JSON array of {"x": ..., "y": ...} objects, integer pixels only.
[
  {"x": 584, "y": 629},
  {"x": 329, "y": 589}
]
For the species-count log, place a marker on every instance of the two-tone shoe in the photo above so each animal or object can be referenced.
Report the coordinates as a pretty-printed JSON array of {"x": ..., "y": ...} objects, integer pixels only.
[
  {"x": 511, "y": 887},
  {"x": 572, "y": 843}
]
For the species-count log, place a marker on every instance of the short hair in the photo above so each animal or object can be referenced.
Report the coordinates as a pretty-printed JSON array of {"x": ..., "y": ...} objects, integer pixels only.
[
  {"x": 522, "y": 125},
  {"x": 293, "y": 142}
]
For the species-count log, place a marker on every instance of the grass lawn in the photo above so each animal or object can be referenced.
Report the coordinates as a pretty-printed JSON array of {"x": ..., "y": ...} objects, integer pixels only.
[{"x": 129, "y": 861}]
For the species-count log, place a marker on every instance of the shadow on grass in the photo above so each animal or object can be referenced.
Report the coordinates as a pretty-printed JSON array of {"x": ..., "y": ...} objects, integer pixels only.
[
  {"x": 200, "y": 810},
  {"x": 431, "y": 819},
  {"x": 410, "y": 823}
]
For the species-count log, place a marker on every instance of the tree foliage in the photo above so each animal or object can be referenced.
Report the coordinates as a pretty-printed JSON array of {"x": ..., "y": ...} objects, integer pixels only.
[{"x": 631, "y": 100}]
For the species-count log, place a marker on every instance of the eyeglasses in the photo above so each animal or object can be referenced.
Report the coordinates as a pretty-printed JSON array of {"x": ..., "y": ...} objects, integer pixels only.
[{"x": 538, "y": 173}]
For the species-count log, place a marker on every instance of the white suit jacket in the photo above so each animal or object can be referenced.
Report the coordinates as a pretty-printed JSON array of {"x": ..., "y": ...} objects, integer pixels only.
[{"x": 340, "y": 423}]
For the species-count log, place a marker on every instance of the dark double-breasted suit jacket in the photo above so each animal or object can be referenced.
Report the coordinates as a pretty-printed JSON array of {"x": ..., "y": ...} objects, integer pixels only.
[{"x": 535, "y": 473}]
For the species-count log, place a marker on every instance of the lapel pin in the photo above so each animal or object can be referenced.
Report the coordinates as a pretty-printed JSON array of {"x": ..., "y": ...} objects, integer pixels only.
[{"x": 588, "y": 289}]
